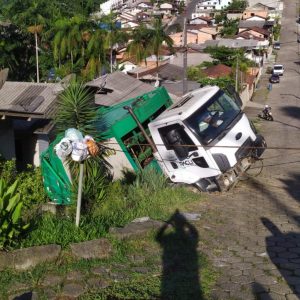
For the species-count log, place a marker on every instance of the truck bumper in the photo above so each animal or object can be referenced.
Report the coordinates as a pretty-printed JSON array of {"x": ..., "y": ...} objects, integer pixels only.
[{"x": 227, "y": 180}]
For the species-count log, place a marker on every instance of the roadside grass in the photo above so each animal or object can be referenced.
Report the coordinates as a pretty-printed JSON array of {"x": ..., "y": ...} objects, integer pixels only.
[{"x": 148, "y": 195}]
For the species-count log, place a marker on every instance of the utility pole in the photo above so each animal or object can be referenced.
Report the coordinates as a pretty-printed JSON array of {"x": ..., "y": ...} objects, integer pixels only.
[
  {"x": 236, "y": 73},
  {"x": 184, "y": 80}
]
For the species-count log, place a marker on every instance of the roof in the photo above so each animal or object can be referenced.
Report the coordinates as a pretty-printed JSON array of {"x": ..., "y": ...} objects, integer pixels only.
[
  {"x": 261, "y": 6},
  {"x": 247, "y": 24},
  {"x": 260, "y": 30},
  {"x": 29, "y": 99},
  {"x": 204, "y": 18},
  {"x": 117, "y": 87},
  {"x": 217, "y": 71},
  {"x": 247, "y": 35},
  {"x": 232, "y": 43}
]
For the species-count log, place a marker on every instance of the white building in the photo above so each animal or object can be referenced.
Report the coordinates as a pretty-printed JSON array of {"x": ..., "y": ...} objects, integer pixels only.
[{"x": 212, "y": 4}]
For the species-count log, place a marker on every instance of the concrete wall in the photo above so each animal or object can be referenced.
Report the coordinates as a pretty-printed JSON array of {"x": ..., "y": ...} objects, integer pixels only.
[
  {"x": 41, "y": 145},
  {"x": 7, "y": 139},
  {"x": 118, "y": 161}
]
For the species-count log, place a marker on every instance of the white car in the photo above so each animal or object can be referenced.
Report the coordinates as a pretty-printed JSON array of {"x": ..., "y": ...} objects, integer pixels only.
[{"x": 278, "y": 69}]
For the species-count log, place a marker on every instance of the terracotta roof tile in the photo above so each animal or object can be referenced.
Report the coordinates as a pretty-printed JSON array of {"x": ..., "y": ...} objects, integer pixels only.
[{"x": 217, "y": 71}]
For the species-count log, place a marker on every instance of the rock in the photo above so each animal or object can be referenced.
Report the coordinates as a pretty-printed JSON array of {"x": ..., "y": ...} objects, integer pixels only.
[
  {"x": 191, "y": 216},
  {"x": 24, "y": 296},
  {"x": 100, "y": 248},
  {"x": 97, "y": 283},
  {"x": 52, "y": 280},
  {"x": 137, "y": 258},
  {"x": 141, "y": 220},
  {"x": 100, "y": 270},
  {"x": 135, "y": 228},
  {"x": 6, "y": 260},
  {"x": 142, "y": 270},
  {"x": 75, "y": 276},
  {"x": 50, "y": 294},
  {"x": 72, "y": 290},
  {"x": 24, "y": 259}
]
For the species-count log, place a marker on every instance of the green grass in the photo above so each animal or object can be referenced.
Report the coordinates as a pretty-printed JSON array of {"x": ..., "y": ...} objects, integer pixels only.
[{"x": 148, "y": 195}]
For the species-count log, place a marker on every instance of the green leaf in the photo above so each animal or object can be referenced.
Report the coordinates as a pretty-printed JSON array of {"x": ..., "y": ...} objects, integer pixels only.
[
  {"x": 12, "y": 189},
  {"x": 12, "y": 202},
  {"x": 17, "y": 213}
]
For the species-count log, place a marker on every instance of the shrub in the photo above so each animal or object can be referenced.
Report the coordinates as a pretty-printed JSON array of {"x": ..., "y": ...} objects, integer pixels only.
[{"x": 11, "y": 224}]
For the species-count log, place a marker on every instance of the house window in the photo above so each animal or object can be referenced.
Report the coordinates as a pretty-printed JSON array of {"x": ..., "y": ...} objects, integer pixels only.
[{"x": 252, "y": 14}]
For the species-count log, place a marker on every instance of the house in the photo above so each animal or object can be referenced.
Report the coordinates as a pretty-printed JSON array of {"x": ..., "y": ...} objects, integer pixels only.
[
  {"x": 142, "y": 16},
  {"x": 217, "y": 71},
  {"x": 213, "y": 4},
  {"x": 234, "y": 16},
  {"x": 201, "y": 13},
  {"x": 191, "y": 37},
  {"x": 257, "y": 32},
  {"x": 26, "y": 112},
  {"x": 202, "y": 20},
  {"x": 166, "y": 8},
  {"x": 145, "y": 5},
  {"x": 246, "y": 35},
  {"x": 256, "y": 10},
  {"x": 244, "y": 24},
  {"x": 255, "y": 18}
]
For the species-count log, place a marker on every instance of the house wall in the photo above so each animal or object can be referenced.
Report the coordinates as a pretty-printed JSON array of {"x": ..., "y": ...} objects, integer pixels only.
[
  {"x": 198, "y": 21},
  {"x": 7, "y": 139},
  {"x": 249, "y": 13},
  {"x": 200, "y": 14}
]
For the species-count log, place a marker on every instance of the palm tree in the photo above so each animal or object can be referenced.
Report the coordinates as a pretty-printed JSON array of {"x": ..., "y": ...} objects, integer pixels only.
[
  {"x": 68, "y": 40},
  {"x": 96, "y": 53},
  {"x": 158, "y": 37},
  {"x": 139, "y": 47}
]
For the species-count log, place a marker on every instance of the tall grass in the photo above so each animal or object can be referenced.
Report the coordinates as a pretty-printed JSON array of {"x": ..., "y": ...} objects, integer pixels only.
[{"x": 148, "y": 195}]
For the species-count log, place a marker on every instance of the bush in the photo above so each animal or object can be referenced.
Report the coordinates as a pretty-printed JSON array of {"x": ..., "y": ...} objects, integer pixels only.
[{"x": 11, "y": 224}]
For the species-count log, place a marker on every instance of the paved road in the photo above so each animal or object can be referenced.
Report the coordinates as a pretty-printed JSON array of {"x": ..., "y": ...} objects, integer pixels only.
[{"x": 253, "y": 233}]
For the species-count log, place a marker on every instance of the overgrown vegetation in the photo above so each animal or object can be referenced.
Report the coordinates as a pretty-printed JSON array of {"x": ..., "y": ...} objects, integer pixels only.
[
  {"x": 147, "y": 195},
  {"x": 11, "y": 222}
]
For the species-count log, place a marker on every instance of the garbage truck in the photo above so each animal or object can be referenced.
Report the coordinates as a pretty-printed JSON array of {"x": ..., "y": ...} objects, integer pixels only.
[{"x": 206, "y": 140}]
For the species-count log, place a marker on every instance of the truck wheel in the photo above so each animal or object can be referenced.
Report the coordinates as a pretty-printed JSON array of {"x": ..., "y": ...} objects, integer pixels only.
[{"x": 207, "y": 185}]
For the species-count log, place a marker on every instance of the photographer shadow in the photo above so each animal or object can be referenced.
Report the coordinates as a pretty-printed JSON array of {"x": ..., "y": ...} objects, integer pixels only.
[{"x": 180, "y": 276}]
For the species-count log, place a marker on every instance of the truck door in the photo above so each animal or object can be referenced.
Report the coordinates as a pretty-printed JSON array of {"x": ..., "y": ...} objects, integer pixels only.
[{"x": 180, "y": 151}]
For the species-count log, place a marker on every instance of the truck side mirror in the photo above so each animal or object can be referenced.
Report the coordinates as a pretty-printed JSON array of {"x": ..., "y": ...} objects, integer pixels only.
[{"x": 174, "y": 139}]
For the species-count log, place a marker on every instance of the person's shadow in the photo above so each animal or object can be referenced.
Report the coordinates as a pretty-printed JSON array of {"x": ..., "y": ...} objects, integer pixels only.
[{"x": 180, "y": 277}]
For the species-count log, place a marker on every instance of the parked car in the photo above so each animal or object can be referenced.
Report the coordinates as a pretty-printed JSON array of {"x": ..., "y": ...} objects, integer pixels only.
[
  {"x": 274, "y": 78},
  {"x": 276, "y": 45},
  {"x": 278, "y": 70}
]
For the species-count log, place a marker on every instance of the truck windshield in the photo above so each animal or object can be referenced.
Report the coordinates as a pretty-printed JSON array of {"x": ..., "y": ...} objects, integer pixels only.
[{"x": 210, "y": 120}]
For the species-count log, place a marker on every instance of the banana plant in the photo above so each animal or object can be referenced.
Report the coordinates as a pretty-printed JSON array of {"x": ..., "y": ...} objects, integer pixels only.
[{"x": 11, "y": 223}]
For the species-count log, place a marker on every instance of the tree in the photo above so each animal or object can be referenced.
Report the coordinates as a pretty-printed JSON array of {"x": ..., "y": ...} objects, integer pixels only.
[
  {"x": 139, "y": 47},
  {"x": 221, "y": 82},
  {"x": 157, "y": 38},
  {"x": 237, "y": 6},
  {"x": 96, "y": 54},
  {"x": 230, "y": 28},
  {"x": 76, "y": 109}
]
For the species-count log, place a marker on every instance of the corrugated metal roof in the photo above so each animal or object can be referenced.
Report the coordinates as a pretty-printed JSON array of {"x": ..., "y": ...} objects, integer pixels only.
[
  {"x": 28, "y": 98},
  {"x": 118, "y": 87}
]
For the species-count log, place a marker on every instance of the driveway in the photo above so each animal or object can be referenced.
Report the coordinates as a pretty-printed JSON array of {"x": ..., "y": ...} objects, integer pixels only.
[{"x": 252, "y": 233}]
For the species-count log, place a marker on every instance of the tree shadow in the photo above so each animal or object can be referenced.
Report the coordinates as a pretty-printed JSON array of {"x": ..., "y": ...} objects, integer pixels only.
[
  {"x": 180, "y": 275},
  {"x": 293, "y": 188},
  {"x": 291, "y": 111},
  {"x": 283, "y": 250}
]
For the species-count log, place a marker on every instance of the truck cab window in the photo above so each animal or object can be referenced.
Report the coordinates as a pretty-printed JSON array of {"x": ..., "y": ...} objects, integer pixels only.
[
  {"x": 210, "y": 120},
  {"x": 174, "y": 135}
]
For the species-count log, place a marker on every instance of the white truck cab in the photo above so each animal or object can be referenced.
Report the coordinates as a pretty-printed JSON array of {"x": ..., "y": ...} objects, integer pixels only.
[{"x": 206, "y": 140}]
